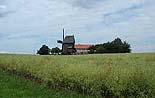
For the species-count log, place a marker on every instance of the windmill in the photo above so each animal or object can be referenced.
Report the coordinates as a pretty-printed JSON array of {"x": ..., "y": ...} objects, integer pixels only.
[
  {"x": 68, "y": 43},
  {"x": 63, "y": 37}
]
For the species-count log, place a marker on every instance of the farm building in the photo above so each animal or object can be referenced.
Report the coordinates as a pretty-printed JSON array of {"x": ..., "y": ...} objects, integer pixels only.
[{"x": 82, "y": 48}]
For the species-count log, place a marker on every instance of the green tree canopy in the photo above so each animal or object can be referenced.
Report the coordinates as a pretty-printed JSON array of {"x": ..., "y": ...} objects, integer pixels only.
[
  {"x": 44, "y": 50},
  {"x": 116, "y": 46},
  {"x": 55, "y": 50}
]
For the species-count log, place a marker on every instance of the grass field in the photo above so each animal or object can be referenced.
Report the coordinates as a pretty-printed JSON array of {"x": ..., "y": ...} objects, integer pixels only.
[
  {"x": 16, "y": 87},
  {"x": 106, "y": 76}
]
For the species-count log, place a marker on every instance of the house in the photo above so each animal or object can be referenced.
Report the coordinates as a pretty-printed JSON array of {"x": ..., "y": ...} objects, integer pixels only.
[{"x": 82, "y": 48}]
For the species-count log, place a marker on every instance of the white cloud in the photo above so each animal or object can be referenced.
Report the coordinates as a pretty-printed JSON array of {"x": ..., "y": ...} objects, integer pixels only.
[
  {"x": 3, "y": 52},
  {"x": 94, "y": 21},
  {"x": 3, "y": 10}
]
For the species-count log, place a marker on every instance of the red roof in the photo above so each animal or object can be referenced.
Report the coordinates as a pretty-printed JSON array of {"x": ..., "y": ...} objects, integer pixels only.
[{"x": 82, "y": 46}]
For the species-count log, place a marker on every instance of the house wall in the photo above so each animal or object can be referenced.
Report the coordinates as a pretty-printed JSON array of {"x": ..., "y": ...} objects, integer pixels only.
[{"x": 82, "y": 51}]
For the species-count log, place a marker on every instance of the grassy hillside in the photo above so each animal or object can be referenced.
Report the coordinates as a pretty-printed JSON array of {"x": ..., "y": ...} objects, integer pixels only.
[
  {"x": 16, "y": 87},
  {"x": 108, "y": 75}
]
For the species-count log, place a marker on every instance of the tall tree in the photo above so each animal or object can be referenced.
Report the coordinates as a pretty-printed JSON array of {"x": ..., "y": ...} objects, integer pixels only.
[{"x": 44, "y": 50}]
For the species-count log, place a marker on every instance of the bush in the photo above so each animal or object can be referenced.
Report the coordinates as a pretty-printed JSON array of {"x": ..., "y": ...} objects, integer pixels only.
[
  {"x": 116, "y": 46},
  {"x": 44, "y": 50}
]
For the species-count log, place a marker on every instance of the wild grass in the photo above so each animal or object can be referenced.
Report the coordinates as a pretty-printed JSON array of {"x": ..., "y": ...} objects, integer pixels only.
[
  {"x": 12, "y": 86},
  {"x": 102, "y": 75}
]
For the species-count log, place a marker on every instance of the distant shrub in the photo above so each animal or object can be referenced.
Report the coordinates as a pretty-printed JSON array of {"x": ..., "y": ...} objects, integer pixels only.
[{"x": 55, "y": 50}]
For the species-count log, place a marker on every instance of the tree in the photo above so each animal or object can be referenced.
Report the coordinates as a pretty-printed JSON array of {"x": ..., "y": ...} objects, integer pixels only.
[
  {"x": 92, "y": 49},
  {"x": 44, "y": 50},
  {"x": 55, "y": 50},
  {"x": 100, "y": 49},
  {"x": 116, "y": 46},
  {"x": 126, "y": 47},
  {"x": 117, "y": 41}
]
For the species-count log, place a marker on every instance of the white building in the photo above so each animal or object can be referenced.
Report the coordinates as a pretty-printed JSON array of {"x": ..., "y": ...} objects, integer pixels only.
[{"x": 82, "y": 48}]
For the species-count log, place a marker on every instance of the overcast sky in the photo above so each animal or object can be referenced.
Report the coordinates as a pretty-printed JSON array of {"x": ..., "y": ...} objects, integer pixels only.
[{"x": 25, "y": 25}]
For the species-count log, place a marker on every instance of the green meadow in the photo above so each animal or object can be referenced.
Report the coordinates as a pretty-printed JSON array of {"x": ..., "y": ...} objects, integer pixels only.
[{"x": 100, "y": 75}]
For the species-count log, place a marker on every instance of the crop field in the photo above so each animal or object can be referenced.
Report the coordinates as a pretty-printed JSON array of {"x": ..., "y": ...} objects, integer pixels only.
[
  {"x": 101, "y": 75},
  {"x": 16, "y": 87}
]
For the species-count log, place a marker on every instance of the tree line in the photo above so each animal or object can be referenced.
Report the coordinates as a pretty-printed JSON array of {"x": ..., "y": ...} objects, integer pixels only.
[
  {"x": 45, "y": 50},
  {"x": 115, "y": 46}
]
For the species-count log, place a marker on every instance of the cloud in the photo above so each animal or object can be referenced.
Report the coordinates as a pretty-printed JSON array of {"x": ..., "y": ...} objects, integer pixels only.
[
  {"x": 91, "y": 21},
  {"x": 4, "y": 52},
  {"x": 86, "y": 4},
  {"x": 3, "y": 11}
]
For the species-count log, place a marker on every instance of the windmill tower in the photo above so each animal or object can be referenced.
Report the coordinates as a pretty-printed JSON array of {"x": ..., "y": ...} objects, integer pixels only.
[
  {"x": 68, "y": 43},
  {"x": 63, "y": 37}
]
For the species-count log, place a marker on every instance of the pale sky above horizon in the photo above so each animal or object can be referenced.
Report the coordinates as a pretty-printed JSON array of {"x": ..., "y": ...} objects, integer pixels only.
[{"x": 25, "y": 25}]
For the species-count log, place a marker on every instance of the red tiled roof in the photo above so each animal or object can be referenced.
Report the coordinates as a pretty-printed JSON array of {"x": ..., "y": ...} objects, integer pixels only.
[{"x": 82, "y": 46}]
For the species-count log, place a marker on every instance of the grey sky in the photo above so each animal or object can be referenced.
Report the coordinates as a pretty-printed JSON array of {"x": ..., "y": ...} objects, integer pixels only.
[{"x": 27, "y": 24}]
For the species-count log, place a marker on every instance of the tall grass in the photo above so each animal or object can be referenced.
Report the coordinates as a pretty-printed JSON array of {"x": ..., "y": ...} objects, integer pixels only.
[
  {"x": 108, "y": 75},
  {"x": 12, "y": 86}
]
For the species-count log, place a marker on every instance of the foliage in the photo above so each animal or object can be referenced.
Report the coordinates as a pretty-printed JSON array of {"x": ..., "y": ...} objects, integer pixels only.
[
  {"x": 15, "y": 87},
  {"x": 100, "y": 75},
  {"x": 55, "y": 50},
  {"x": 116, "y": 46},
  {"x": 44, "y": 50}
]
